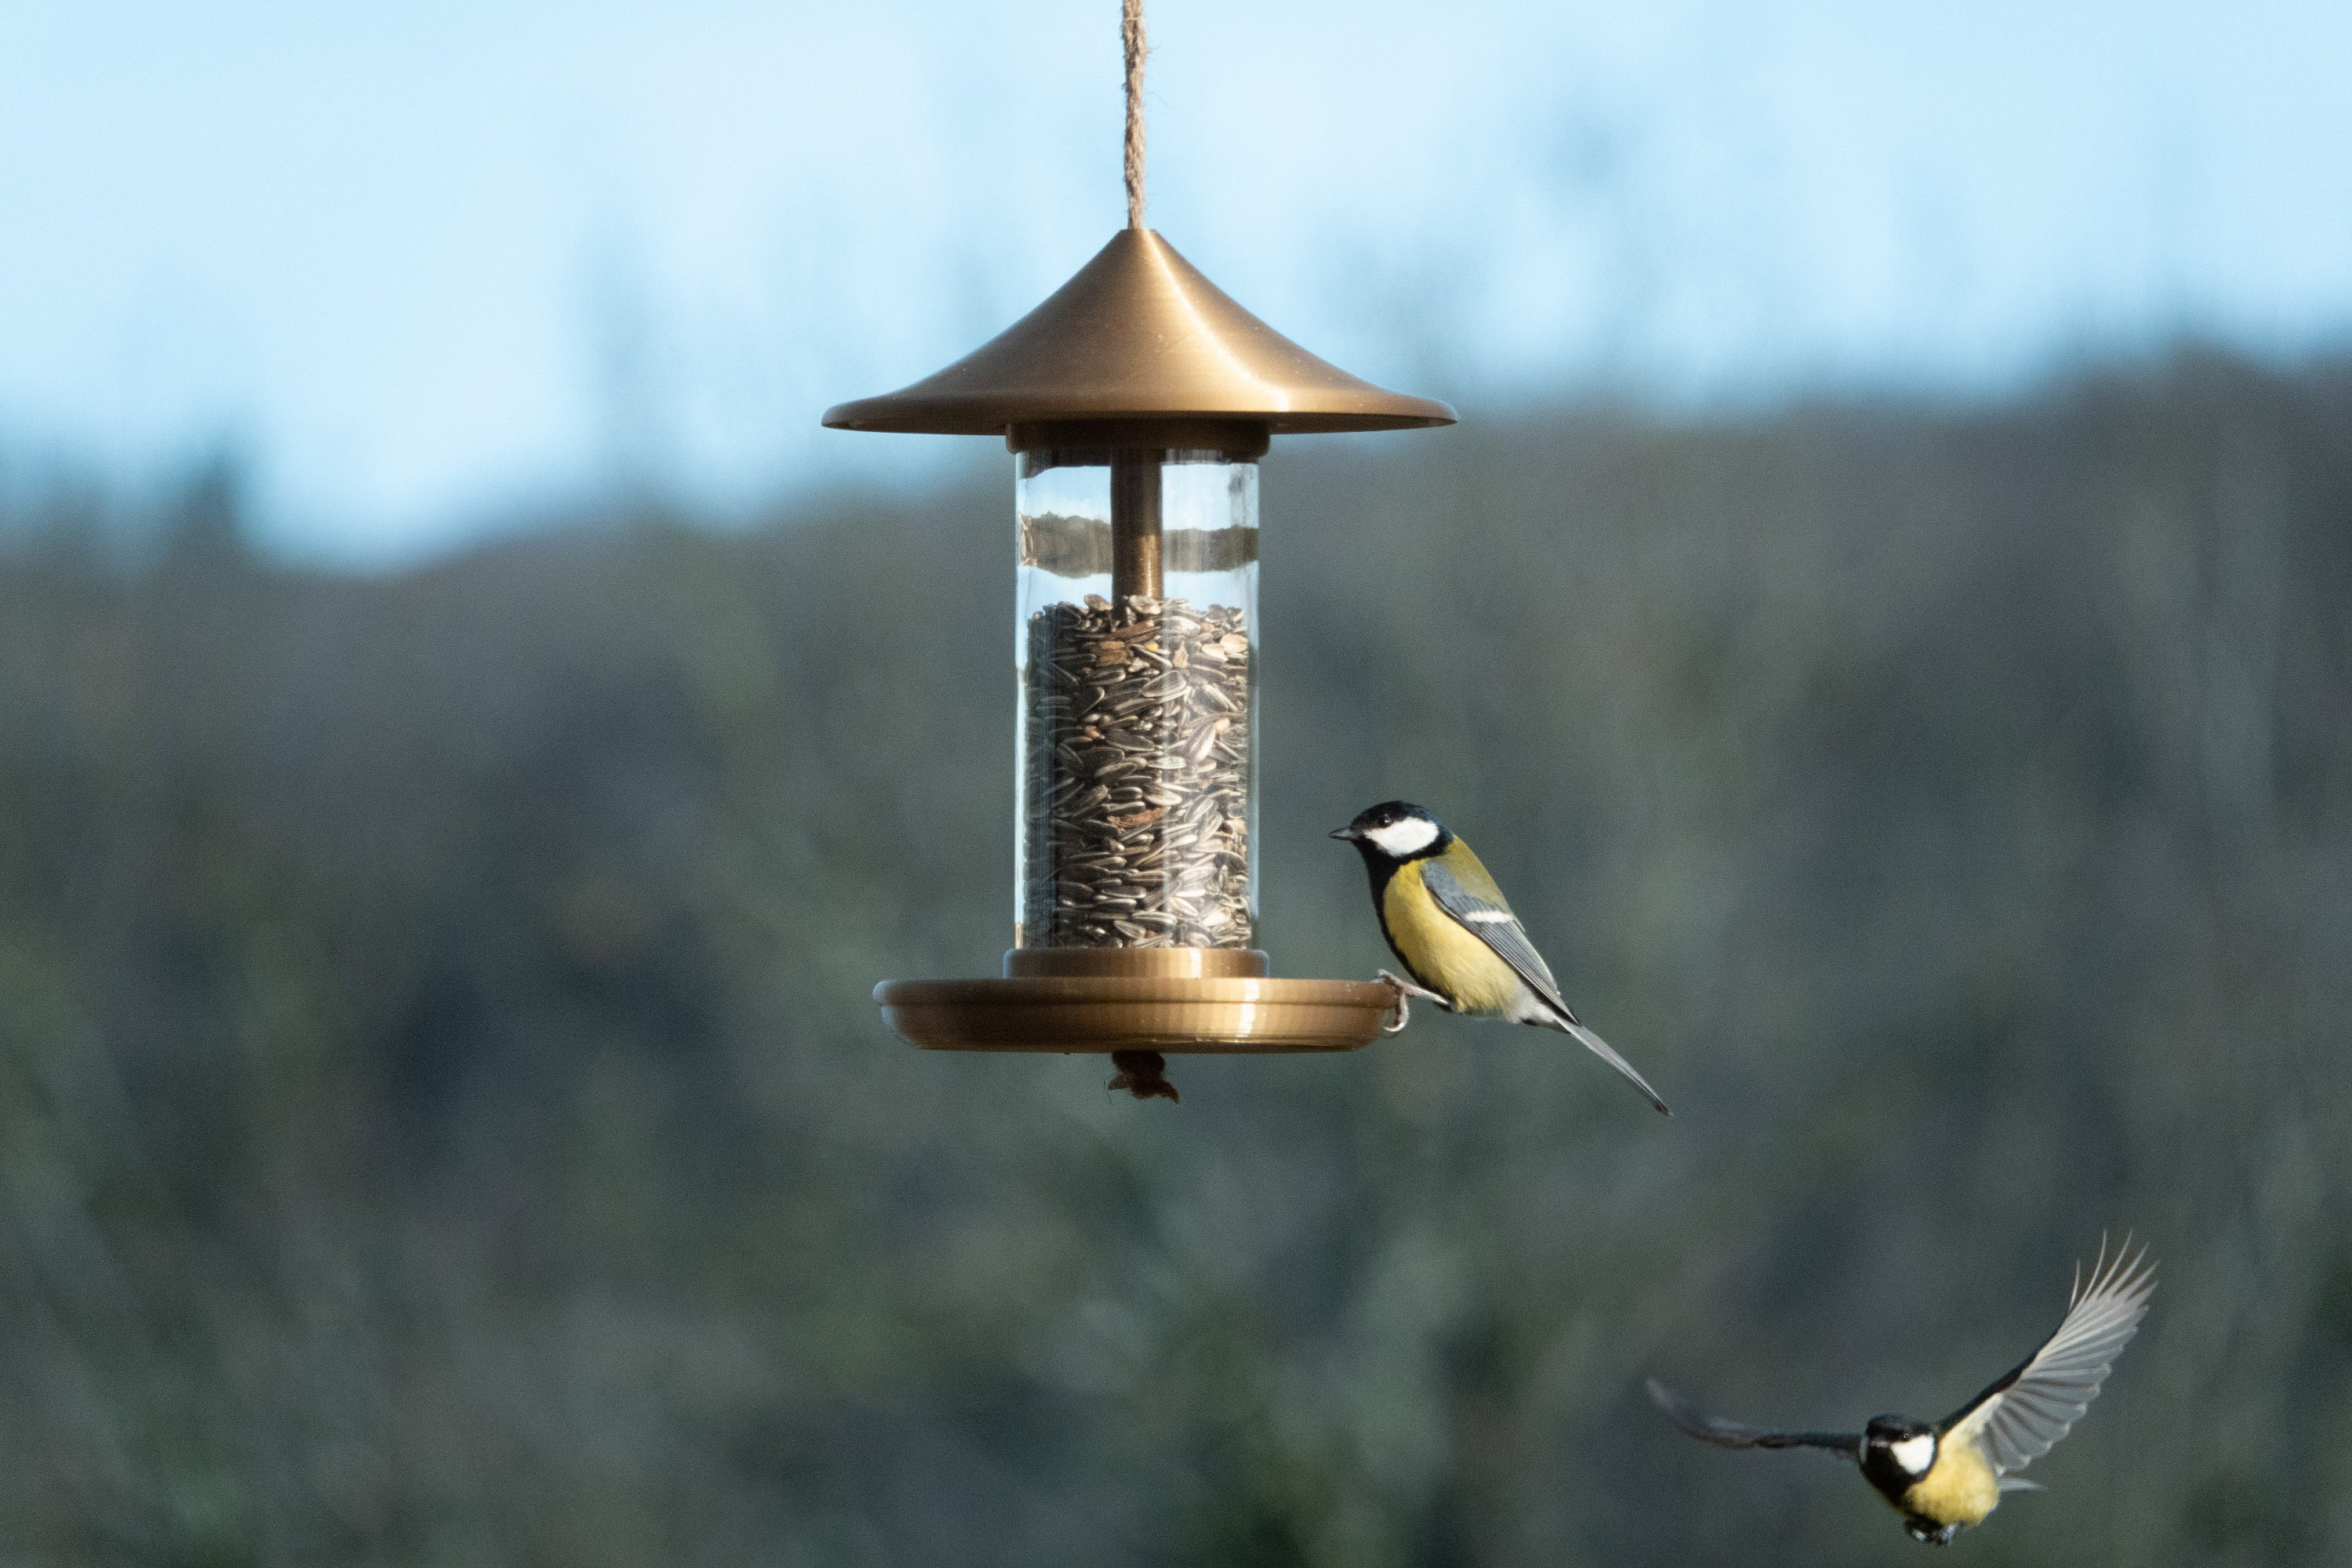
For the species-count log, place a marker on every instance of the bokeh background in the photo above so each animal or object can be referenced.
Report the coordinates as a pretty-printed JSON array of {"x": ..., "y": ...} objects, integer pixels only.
[{"x": 468, "y": 745}]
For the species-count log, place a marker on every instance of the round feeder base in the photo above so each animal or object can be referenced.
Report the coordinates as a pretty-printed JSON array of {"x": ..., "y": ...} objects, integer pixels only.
[
  {"x": 1234, "y": 1016},
  {"x": 1184, "y": 1000}
]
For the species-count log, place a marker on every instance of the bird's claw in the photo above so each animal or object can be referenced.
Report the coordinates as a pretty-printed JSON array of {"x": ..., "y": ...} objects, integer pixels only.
[{"x": 1404, "y": 989}]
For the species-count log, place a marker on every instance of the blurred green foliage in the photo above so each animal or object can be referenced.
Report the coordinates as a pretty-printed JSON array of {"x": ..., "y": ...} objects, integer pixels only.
[{"x": 443, "y": 1119}]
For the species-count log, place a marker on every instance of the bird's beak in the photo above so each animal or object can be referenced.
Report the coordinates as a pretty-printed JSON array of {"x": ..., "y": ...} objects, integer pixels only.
[{"x": 1343, "y": 833}]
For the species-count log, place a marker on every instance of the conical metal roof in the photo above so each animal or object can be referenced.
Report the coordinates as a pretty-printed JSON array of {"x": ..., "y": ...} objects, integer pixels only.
[{"x": 1137, "y": 333}]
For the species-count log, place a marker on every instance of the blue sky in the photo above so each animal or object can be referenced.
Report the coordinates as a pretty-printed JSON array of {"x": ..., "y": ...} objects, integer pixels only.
[{"x": 433, "y": 264}]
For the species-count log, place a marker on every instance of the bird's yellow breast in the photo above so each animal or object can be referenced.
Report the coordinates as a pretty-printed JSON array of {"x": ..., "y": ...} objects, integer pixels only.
[
  {"x": 1959, "y": 1488},
  {"x": 1441, "y": 953}
]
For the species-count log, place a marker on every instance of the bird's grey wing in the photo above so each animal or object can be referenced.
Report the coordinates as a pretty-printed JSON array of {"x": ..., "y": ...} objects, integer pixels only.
[
  {"x": 1492, "y": 922},
  {"x": 1725, "y": 1434},
  {"x": 2024, "y": 1413}
]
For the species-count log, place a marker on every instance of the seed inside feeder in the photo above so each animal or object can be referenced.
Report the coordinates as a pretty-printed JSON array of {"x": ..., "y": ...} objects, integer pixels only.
[{"x": 1136, "y": 802}]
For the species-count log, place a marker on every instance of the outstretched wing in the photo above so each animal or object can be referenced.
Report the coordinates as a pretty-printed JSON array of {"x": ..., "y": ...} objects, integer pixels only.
[
  {"x": 1472, "y": 898},
  {"x": 2022, "y": 1415},
  {"x": 1725, "y": 1434}
]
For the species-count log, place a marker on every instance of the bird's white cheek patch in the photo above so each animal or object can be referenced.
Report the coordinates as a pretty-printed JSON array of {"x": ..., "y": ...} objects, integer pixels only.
[
  {"x": 1402, "y": 838},
  {"x": 1913, "y": 1454}
]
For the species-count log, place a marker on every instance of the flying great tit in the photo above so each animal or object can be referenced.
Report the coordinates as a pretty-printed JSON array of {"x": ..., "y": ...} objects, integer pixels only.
[
  {"x": 1445, "y": 920},
  {"x": 1952, "y": 1474}
]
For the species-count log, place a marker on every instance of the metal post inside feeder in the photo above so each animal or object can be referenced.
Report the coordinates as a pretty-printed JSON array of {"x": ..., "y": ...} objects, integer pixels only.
[
  {"x": 1137, "y": 400},
  {"x": 1135, "y": 523}
]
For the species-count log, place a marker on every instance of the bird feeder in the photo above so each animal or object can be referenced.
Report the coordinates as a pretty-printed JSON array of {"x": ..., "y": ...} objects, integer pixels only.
[{"x": 1137, "y": 400}]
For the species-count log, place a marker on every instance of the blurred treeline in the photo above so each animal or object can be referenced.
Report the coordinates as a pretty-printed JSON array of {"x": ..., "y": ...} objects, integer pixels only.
[{"x": 443, "y": 1120}]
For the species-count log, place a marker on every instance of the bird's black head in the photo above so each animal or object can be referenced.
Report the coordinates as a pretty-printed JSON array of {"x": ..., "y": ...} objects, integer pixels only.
[
  {"x": 1896, "y": 1451},
  {"x": 1396, "y": 830}
]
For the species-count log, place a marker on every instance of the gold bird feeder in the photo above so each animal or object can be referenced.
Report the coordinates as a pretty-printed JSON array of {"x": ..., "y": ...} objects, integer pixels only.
[{"x": 1136, "y": 402}]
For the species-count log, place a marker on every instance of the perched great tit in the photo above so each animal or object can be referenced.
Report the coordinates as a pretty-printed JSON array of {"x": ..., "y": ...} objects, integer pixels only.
[
  {"x": 1952, "y": 1474},
  {"x": 1446, "y": 921}
]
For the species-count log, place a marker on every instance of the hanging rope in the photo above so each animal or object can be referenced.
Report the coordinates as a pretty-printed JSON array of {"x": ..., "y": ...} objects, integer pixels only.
[{"x": 1130, "y": 32}]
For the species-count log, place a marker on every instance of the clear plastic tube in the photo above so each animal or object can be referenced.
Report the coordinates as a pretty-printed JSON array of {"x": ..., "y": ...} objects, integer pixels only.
[{"x": 1136, "y": 647}]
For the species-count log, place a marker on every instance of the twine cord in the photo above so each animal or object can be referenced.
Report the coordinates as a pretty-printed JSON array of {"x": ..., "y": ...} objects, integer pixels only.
[{"x": 1130, "y": 30}]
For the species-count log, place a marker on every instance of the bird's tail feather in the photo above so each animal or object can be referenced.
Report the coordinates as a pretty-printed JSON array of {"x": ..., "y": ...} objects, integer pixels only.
[{"x": 1600, "y": 1048}]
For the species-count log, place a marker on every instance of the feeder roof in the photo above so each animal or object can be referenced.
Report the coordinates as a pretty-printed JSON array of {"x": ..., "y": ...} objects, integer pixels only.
[{"x": 1137, "y": 333}]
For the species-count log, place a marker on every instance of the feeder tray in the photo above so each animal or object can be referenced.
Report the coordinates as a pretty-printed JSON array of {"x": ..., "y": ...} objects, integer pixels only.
[
  {"x": 1197, "y": 1001},
  {"x": 1138, "y": 399}
]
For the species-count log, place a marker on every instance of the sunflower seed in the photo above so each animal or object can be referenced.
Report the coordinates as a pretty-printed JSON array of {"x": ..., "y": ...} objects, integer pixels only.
[{"x": 1136, "y": 784}]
